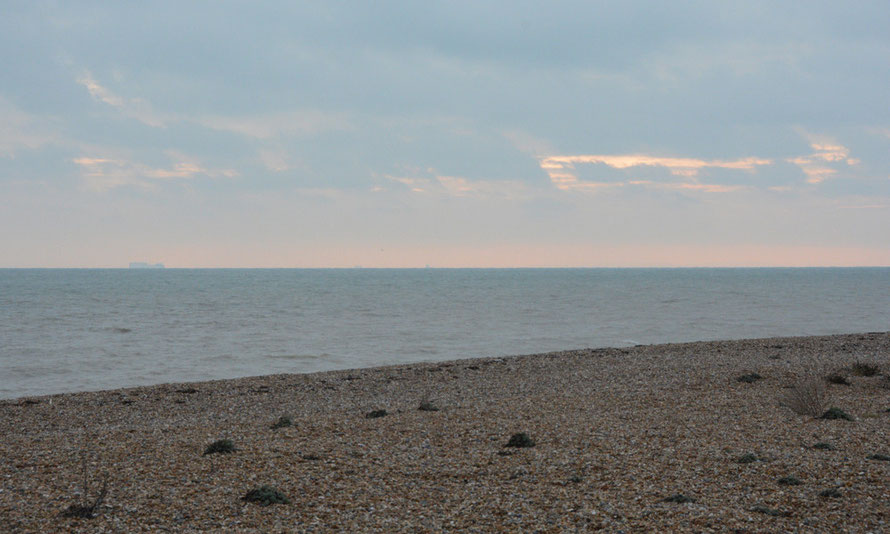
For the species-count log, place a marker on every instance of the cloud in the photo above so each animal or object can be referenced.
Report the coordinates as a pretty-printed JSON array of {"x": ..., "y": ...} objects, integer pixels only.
[
  {"x": 818, "y": 165},
  {"x": 276, "y": 160},
  {"x": 681, "y": 166},
  {"x": 259, "y": 126},
  {"x": 685, "y": 186},
  {"x": 267, "y": 126},
  {"x": 463, "y": 187},
  {"x": 134, "y": 108},
  {"x": 20, "y": 130},
  {"x": 561, "y": 170},
  {"x": 457, "y": 186},
  {"x": 102, "y": 173}
]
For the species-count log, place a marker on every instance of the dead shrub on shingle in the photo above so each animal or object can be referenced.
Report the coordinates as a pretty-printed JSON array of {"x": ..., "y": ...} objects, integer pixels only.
[
  {"x": 86, "y": 508},
  {"x": 806, "y": 395}
]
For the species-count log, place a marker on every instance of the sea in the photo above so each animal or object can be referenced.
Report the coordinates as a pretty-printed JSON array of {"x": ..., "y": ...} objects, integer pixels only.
[{"x": 64, "y": 330}]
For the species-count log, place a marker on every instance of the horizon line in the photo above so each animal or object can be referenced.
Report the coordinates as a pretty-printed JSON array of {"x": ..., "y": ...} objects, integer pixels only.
[{"x": 430, "y": 267}]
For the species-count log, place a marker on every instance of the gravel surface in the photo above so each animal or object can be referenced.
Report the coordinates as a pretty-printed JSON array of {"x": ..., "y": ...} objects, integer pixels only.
[{"x": 650, "y": 438}]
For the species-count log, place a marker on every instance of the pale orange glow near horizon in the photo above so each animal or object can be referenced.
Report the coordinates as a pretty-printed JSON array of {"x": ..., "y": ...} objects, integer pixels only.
[{"x": 508, "y": 256}]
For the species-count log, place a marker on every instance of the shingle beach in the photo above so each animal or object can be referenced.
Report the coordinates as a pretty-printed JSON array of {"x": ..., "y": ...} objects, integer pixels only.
[{"x": 645, "y": 439}]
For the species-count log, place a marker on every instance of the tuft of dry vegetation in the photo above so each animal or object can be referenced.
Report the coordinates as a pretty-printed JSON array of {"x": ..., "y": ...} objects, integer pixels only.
[
  {"x": 807, "y": 395},
  {"x": 86, "y": 509}
]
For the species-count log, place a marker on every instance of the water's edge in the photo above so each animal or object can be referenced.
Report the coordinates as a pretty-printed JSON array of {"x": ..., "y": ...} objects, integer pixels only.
[{"x": 350, "y": 374}]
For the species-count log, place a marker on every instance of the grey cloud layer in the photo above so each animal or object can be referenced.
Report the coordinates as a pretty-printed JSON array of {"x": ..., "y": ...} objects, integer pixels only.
[{"x": 465, "y": 100}]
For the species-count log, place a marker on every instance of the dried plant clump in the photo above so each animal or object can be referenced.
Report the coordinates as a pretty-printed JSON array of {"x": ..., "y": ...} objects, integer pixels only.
[
  {"x": 880, "y": 457},
  {"x": 87, "y": 509},
  {"x": 283, "y": 422},
  {"x": 220, "y": 446},
  {"x": 789, "y": 481},
  {"x": 266, "y": 495},
  {"x": 375, "y": 414},
  {"x": 806, "y": 396},
  {"x": 520, "y": 439},
  {"x": 830, "y": 493},
  {"x": 836, "y": 413},
  {"x": 822, "y": 446},
  {"x": 749, "y": 378}
]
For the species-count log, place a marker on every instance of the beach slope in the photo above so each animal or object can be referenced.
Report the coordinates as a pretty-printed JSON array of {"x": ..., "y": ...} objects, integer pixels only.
[{"x": 649, "y": 438}]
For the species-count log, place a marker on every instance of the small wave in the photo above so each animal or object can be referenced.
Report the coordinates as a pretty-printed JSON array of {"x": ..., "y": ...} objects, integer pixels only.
[
  {"x": 299, "y": 357},
  {"x": 220, "y": 358},
  {"x": 121, "y": 330}
]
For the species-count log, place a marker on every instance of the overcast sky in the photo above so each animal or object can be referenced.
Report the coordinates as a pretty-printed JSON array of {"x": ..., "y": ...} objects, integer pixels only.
[{"x": 478, "y": 134}]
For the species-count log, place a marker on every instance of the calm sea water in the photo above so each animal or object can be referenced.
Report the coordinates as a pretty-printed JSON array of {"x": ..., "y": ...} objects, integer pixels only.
[{"x": 73, "y": 330}]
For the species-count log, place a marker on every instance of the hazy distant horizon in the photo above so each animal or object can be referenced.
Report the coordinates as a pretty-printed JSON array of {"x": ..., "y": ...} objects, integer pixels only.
[{"x": 517, "y": 267}]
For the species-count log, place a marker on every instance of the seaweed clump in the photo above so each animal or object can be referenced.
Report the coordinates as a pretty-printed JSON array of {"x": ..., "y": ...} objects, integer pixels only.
[
  {"x": 220, "y": 446},
  {"x": 760, "y": 509},
  {"x": 837, "y": 378},
  {"x": 836, "y": 413},
  {"x": 678, "y": 498},
  {"x": 746, "y": 459},
  {"x": 282, "y": 422},
  {"x": 830, "y": 493},
  {"x": 266, "y": 495},
  {"x": 864, "y": 369},
  {"x": 749, "y": 378},
  {"x": 428, "y": 406},
  {"x": 520, "y": 439}
]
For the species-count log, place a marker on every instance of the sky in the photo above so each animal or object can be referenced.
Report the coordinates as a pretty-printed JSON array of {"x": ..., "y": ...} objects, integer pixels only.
[{"x": 448, "y": 134}]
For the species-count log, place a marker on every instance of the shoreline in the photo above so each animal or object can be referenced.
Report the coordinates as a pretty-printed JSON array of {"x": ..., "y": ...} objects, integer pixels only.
[
  {"x": 458, "y": 361},
  {"x": 617, "y": 430}
]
